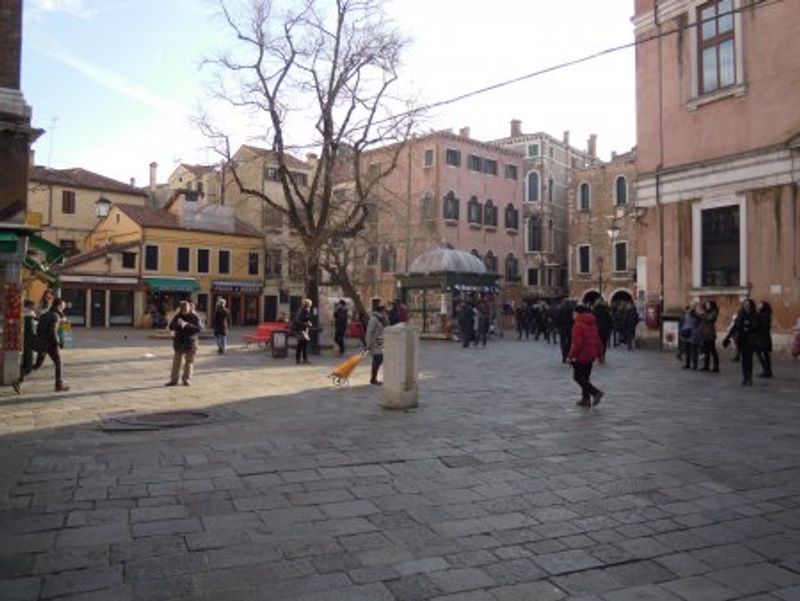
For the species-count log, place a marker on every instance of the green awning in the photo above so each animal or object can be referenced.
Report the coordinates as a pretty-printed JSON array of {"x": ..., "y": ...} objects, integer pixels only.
[
  {"x": 8, "y": 242},
  {"x": 38, "y": 270},
  {"x": 172, "y": 284},
  {"x": 52, "y": 253}
]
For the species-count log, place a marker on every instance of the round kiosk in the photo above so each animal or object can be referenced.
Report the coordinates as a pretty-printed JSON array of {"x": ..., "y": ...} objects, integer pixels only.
[{"x": 436, "y": 284}]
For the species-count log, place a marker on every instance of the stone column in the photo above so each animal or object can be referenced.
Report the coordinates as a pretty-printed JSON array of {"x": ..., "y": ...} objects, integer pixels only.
[{"x": 400, "y": 372}]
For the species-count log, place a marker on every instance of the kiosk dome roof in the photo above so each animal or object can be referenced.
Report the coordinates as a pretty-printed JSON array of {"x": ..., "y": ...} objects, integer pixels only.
[{"x": 447, "y": 260}]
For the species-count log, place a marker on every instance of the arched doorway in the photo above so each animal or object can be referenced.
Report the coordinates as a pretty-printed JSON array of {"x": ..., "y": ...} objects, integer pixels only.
[
  {"x": 590, "y": 297},
  {"x": 621, "y": 296}
]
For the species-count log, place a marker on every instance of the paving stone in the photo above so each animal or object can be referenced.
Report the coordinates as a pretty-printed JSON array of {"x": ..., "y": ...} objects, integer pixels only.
[
  {"x": 163, "y": 512},
  {"x": 528, "y": 591},
  {"x": 514, "y": 571},
  {"x": 81, "y": 581},
  {"x": 93, "y": 535},
  {"x": 461, "y": 579},
  {"x": 683, "y": 564},
  {"x": 367, "y": 592},
  {"x": 648, "y": 592},
  {"x": 20, "y": 589},
  {"x": 162, "y": 527},
  {"x": 243, "y": 554},
  {"x": 417, "y": 587},
  {"x": 699, "y": 588},
  {"x": 164, "y": 567},
  {"x": 563, "y": 562},
  {"x": 421, "y": 566},
  {"x": 71, "y": 558},
  {"x": 727, "y": 556}
]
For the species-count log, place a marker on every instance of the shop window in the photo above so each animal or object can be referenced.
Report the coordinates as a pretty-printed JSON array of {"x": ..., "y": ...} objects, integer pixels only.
[
  {"x": 75, "y": 298},
  {"x": 202, "y": 302},
  {"x": 121, "y": 308}
]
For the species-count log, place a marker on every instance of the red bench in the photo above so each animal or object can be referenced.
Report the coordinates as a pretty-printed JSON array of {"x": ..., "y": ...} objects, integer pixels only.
[{"x": 264, "y": 332}]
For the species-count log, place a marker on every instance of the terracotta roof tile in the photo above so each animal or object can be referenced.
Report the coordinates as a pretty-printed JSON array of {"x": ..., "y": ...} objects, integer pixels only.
[
  {"x": 81, "y": 178},
  {"x": 159, "y": 218},
  {"x": 97, "y": 252}
]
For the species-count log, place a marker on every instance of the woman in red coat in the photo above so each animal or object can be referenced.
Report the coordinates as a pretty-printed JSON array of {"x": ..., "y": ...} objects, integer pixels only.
[{"x": 585, "y": 348}]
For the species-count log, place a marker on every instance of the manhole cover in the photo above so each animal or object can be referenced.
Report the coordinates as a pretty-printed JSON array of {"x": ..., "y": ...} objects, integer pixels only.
[{"x": 129, "y": 420}]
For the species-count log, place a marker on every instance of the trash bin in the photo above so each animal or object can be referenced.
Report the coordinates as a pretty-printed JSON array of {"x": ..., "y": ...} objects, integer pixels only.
[{"x": 280, "y": 344}]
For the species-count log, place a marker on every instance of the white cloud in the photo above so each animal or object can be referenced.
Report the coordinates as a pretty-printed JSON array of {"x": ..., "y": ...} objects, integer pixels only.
[
  {"x": 110, "y": 79},
  {"x": 77, "y": 8}
]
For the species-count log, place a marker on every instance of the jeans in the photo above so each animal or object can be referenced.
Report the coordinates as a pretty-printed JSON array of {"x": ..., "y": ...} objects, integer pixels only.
[
  {"x": 302, "y": 349},
  {"x": 222, "y": 342},
  {"x": 377, "y": 361},
  {"x": 54, "y": 353},
  {"x": 338, "y": 338},
  {"x": 581, "y": 372}
]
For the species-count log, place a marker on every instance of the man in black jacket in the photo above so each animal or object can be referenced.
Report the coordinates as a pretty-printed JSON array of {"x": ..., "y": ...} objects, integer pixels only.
[
  {"x": 47, "y": 343},
  {"x": 340, "y": 323},
  {"x": 186, "y": 327}
]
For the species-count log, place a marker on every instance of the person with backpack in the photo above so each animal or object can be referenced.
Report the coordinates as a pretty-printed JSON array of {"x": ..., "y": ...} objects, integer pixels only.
[{"x": 584, "y": 350}]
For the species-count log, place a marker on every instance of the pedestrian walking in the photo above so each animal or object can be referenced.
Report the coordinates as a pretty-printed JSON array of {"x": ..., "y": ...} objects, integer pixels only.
[
  {"x": 519, "y": 319},
  {"x": 584, "y": 350},
  {"x": 618, "y": 319},
  {"x": 630, "y": 323},
  {"x": 185, "y": 326},
  {"x": 763, "y": 339},
  {"x": 340, "y": 324},
  {"x": 47, "y": 343},
  {"x": 466, "y": 323},
  {"x": 482, "y": 315},
  {"x": 221, "y": 322},
  {"x": 744, "y": 329},
  {"x": 377, "y": 322},
  {"x": 604, "y": 326},
  {"x": 709, "y": 345},
  {"x": 301, "y": 326},
  {"x": 28, "y": 343},
  {"x": 564, "y": 322}
]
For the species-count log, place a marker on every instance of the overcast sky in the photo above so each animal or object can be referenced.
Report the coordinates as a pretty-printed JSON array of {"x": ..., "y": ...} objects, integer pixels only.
[{"x": 114, "y": 82}]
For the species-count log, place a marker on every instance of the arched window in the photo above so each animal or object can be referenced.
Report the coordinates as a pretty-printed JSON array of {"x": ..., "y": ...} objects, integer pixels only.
[
  {"x": 512, "y": 267},
  {"x": 621, "y": 191},
  {"x": 585, "y": 197},
  {"x": 551, "y": 240},
  {"x": 512, "y": 217},
  {"x": 450, "y": 206},
  {"x": 474, "y": 211},
  {"x": 427, "y": 211},
  {"x": 550, "y": 185},
  {"x": 490, "y": 214},
  {"x": 491, "y": 262},
  {"x": 533, "y": 187},
  {"x": 535, "y": 234}
]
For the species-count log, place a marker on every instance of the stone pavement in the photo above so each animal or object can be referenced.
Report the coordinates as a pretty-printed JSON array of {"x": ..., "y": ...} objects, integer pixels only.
[{"x": 679, "y": 486}]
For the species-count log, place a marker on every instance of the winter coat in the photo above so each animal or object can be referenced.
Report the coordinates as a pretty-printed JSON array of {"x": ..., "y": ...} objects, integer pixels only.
[
  {"x": 744, "y": 330},
  {"x": 374, "y": 338},
  {"x": 222, "y": 321},
  {"x": 710, "y": 325},
  {"x": 631, "y": 319},
  {"x": 696, "y": 337},
  {"x": 564, "y": 318},
  {"x": 762, "y": 335},
  {"x": 585, "y": 346},
  {"x": 466, "y": 320},
  {"x": 301, "y": 326},
  {"x": 603, "y": 317},
  {"x": 47, "y": 329},
  {"x": 186, "y": 327},
  {"x": 340, "y": 318},
  {"x": 686, "y": 326}
]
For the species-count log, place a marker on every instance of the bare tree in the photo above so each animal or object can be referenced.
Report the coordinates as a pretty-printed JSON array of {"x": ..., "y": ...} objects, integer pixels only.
[{"x": 332, "y": 63}]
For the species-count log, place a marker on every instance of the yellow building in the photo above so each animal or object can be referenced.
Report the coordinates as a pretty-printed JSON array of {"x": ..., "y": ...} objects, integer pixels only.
[
  {"x": 68, "y": 203},
  {"x": 140, "y": 261}
]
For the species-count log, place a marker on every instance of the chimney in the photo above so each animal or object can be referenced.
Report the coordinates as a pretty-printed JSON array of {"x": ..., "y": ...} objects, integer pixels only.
[
  {"x": 592, "y": 145},
  {"x": 566, "y": 137},
  {"x": 464, "y": 132},
  {"x": 133, "y": 182},
  {"x": 153, "y": 167},
  {"x": 516, "y": 128}
]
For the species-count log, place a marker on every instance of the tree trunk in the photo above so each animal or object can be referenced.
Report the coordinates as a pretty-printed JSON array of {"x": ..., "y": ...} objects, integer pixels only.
[{"x": 312, "y": 293}]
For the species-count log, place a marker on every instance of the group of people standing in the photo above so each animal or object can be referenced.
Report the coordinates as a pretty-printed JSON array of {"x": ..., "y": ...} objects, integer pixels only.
[
  {"x": 474, "y": 321},
  {"x": 750, "y": 331}
]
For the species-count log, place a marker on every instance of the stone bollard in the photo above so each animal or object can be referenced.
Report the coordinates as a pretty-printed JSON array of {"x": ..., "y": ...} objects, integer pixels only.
[{"x": 400, "y": 375}]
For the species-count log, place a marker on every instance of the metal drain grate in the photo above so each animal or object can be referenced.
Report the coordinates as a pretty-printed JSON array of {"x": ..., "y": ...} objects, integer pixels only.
[{"x": 129, "y": 420}]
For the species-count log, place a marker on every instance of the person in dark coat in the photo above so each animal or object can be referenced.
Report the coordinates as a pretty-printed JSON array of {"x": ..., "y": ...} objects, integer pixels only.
[
  {"x": 564, "y": 322},
  {"x": 694, "y": 325},
  {"x": 744, "y": 329},
  {"x": 630, "y": 323},
  {"x": 763, "y": 339},
  {"x": 584, "y": 349},
  {"x": 709, "y": 348},
  {"x": 340, "y": 324},
  {"x": 618, "y": 319},
  {"x": 47, "y": 343},
  {"x": 301, "y": 326},
  {"x": 221, "y": 321},
  {"x": 185, "y": 326},
  {"x": 28, "y": 343},
  {"x": 466, "y": 323},
  {"x": 519, "y": 318},
  {"x": 604, "y": 326}
]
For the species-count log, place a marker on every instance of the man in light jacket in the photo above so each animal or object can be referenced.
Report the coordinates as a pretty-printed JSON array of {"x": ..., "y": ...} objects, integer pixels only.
[
  {"x": 186, "y": 327},
  {"x": 374, "y": 339}
]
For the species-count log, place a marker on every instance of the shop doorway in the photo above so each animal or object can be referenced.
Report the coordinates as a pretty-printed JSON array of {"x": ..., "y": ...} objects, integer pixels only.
[
  {"x": 98, "y": 313},
  {"x": 270, "y": 308}
]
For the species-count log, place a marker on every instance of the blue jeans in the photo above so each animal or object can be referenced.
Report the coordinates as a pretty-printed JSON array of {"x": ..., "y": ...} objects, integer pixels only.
[{"x": 222, "y": 340}]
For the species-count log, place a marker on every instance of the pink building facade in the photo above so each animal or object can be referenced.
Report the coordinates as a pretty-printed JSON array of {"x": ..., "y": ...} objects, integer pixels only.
[
  {"x": 447, "y": 190},
  {"x": 718, "y": 154}
]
